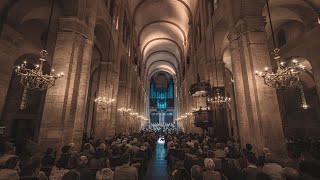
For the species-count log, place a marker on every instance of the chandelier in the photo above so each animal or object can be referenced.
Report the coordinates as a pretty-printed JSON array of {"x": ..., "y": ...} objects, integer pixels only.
[
  {"x": 34, "y": 77},
  {"x": 200, "y": 88},
  {"x": 219, "y": 101},
  {"x": 134, "y": 114},
  {"x": 283, "y": 77},
  {"x": 103, "y": 103},
  {"x": 124, "y": 110}
]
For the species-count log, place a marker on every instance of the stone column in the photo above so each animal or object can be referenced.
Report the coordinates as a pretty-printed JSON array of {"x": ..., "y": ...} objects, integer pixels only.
[
  {"x": 64, "y": 109},
  {"x": 258, "y": 112},
  {"x": 10, "y": 45},
  {"x": 102, "y": 115}
]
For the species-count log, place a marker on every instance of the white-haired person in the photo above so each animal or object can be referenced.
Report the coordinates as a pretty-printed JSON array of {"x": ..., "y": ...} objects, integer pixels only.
[
  {"x": 210, "y": 173},
  {"x": 104, "y": 174}
]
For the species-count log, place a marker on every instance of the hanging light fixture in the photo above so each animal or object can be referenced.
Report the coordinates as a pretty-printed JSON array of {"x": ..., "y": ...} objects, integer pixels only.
[
  {"x": 104, "y": 102},
  {"x": 286, "y": 75},
  {"x": 33, "y": 77},
  {"x": 304, "y": 104},
  {"x": 200, "y": 88},
  {"x": 217, "y": 100}
]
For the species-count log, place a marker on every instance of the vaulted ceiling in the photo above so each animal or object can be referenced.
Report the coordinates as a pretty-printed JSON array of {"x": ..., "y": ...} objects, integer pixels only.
[{"x": 162, "y": 27}]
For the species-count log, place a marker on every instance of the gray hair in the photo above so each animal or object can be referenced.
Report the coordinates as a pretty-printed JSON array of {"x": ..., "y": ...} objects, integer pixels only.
[{"x": 209, "y": 164}]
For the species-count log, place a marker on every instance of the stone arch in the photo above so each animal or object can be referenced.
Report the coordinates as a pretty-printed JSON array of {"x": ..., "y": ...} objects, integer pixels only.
[
  {"x": 285, "y": 11},
  {"x": 93, "y": 91},
  {"x": 103, "y": 41},
  {"x": 23, "y": 107},
  {"x": 300, "y": 103}
]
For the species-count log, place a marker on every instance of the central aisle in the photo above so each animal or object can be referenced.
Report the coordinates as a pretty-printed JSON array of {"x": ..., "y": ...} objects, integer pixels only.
[{"x": 158, "y": 166}]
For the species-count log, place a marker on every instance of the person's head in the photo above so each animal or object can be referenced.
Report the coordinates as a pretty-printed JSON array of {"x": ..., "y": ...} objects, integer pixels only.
[
  {"x": 71, "y": 145},
  {"x": 270, "y": 158},
  {"x": 99, "y": 154},
  {"x": 196, "y": 172},
  {"x": 209, "y": 164},
  {"x": 103, "y": 146},
  {"x": 115, "y": 151},
  {"x": 63, "y": 162},
  {"x": 125, "y": 158},
  {"x": 65, "y": 149},
  {"x": 82, "y": 161},
  {"x": 105, "y": 174},
  {"x": 290, "y": 173},
  {"x": 249, "y": 147},
  {"x": 86, "y": 147},
  {"x": 49, "y": 152},
  {"x": 71, "y": 175}
]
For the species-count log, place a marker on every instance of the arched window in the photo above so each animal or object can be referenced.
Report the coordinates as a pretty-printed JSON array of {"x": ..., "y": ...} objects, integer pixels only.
[{"x": 281, "y": 38}]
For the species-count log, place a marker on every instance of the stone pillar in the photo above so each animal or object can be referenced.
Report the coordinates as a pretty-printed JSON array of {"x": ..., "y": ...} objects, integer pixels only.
[
  {"x": 258, "y": 112},
  {"x": 102, "y": 122},
  {"x": 64, "y": 109},
  {"x": 10, "y": 45}
]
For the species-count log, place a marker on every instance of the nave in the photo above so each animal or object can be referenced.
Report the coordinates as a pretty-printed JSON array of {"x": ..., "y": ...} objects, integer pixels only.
[{"x": 89, "y": 85}]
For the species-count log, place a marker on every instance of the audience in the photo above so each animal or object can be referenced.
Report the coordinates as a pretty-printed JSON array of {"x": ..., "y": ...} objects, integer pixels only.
[{"x": 126, "y": 156}]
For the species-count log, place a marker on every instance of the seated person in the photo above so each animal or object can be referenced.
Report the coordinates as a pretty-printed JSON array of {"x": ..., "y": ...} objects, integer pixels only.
[
  {"x": 48, "y": 159},
  {"x": 125, "y": 172},
  {"x": 85, "y": 173},
  {"x": 210, "y": 173},
  {"x": 104, "y": 174},
  {"x": 196, "y": 172}
]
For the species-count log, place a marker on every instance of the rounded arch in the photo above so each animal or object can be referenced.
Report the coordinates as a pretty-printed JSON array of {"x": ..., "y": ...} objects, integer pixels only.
[
  {"x": 161, "y": 39},
  {"x": 161, "y": 65},
  {"x": 162, "y": 51},
  {"x": 158, "y": 9},
  {"x": 163, "y": 61},
  {"x": 142, "y": 30},
  {"x": 293, "y": 10},
  {"x": 138, "y": 6},
  {"x": 162, "y": 56},
  {"x": 103, "y": 41},
  {"x": 23, "y": 102}
]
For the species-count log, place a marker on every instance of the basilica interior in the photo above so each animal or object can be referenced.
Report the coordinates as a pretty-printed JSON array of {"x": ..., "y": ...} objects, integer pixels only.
[{"x": 246, "y": 70}]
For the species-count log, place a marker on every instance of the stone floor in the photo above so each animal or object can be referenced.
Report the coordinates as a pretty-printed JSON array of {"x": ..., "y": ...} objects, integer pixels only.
[{"x": 157, "y": 167}]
